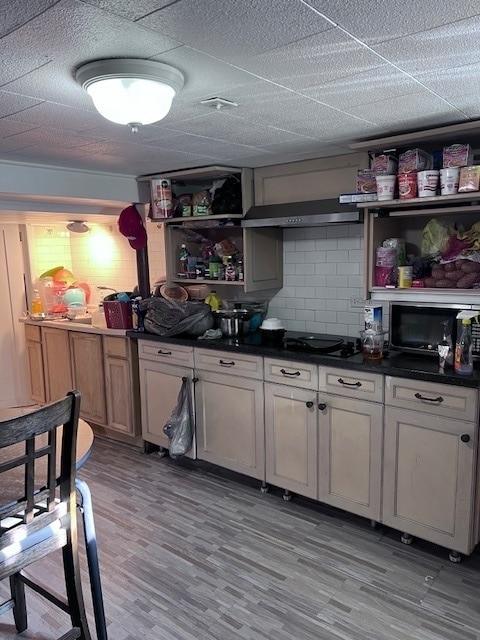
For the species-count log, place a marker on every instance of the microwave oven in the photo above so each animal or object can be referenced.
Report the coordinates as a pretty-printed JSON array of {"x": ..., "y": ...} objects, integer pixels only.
[{"x": 419, "y": 328}]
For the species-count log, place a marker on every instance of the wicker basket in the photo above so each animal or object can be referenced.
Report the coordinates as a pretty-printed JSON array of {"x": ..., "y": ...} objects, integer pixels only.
[{"x": 118, "y": 314}]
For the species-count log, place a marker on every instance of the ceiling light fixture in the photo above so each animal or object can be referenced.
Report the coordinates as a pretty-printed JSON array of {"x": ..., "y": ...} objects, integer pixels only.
[
  {"x": 130, "y": 91},
  {"x": 78, "y": 226}
]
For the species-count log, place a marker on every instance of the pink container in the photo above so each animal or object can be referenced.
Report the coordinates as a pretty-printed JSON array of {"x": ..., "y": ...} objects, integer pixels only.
[{"x": 385, "y": 266}]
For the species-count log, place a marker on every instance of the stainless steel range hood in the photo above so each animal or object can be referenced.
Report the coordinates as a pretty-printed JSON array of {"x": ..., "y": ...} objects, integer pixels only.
[{"x": 302, "y": 214}]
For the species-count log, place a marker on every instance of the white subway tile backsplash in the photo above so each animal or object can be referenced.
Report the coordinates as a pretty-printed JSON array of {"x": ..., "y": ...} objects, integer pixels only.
[
  {"x": 348, "y": 268},
  {"x": 337, "y": 256}
]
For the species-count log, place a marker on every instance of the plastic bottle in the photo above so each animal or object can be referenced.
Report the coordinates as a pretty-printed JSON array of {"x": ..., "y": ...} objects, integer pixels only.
[
  {"x": 138, "y": 323},
  {"x": 98, "y": 317},
  {"x": 184, "y": 255},
  {"x": 463, "y": 350},
  {"x": 213, "y": 300},
  {"x": 36, "y": 303}
]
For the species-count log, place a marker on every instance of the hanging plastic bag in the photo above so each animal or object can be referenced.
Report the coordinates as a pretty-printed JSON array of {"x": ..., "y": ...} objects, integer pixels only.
[{"x": 179, "y": 426}]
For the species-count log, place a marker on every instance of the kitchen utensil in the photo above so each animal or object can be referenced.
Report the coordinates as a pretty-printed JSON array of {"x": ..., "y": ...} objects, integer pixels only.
[
  {"x": 312, "y": 343},
  {"x": 372, "y": 344},
  {"x": 234, "y": 322}
]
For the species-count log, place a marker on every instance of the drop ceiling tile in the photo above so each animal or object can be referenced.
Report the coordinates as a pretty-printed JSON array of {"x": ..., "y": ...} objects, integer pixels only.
[
  {"x": 452, "y": 45},
  {"x": 127, "y": 8},
  {"x": 446, "y": 82},
  {"x": 389, "y": 20},
  {"x": 16, "y": 13},
  {"x": 376, "y": 84},
  {"x": 205, "y": 76},
  {"x": 54, "y": 138},
  {"x": 414, "y": 111},
  {"x": 219, "y": 125},
  {"x": 226, "y": 30},
  {"x": 312, "y": 61},
  {"x": 58, "y": 116},
  {"x": 12, "y": 103}
]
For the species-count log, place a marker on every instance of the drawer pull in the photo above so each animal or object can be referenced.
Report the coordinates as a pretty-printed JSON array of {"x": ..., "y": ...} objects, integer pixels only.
[
  {"x": 164, "y": 353},
  {"x": 226, "y": 363},
  {"x": 349, "y": 384},
  {"x": 292, "y": 374},
  {"x": 322, "y": 406},
  {"x": 465, "y": 437},
  {"x": 419, "y": 396},
  {"x": 194, "y": 380},
  {"x": 309, "y": 404}
]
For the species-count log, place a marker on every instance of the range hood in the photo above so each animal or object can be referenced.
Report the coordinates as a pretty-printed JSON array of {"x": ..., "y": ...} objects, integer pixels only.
[{"x": 302, "y": 214}]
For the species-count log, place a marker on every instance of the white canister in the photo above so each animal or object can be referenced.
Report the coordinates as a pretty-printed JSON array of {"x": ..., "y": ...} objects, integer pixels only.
[
  {"x": 449, "y": 181},
  {"x": 427, "y": 183},
  {"x": 386, "y": 187}
]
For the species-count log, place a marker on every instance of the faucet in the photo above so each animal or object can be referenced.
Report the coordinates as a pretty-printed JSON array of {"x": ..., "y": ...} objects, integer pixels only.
[{"x": 106, "y": 289}]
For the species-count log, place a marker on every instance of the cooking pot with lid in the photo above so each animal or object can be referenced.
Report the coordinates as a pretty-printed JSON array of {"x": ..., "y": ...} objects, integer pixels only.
[{"x": 234, "y": 322}]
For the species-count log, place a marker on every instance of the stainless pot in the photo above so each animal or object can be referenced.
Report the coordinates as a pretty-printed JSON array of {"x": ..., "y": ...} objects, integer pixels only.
[{"x": 235, "y": 322}]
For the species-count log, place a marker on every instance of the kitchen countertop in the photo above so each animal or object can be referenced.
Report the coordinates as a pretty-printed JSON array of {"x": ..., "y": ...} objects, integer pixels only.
[
  {"x": 75, "y": 326},
  {"x": 402, "y": 365}
]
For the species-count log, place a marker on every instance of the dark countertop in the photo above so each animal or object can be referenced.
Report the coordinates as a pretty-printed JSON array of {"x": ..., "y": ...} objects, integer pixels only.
[{"x": 402, "y": 365}]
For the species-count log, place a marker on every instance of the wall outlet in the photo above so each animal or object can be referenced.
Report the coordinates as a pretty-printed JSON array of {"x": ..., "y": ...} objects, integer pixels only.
[{"x": 356, "y": 302}]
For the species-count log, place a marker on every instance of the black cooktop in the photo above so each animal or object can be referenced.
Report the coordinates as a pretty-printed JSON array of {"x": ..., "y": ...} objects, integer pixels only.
[{"x": 339, "y": 346}]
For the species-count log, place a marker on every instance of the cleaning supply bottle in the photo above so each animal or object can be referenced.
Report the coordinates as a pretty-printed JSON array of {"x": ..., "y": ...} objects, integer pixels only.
[
  {"x": 213, "y": 300},
  {"x": 36, "y": 303},
  {"x": 463, "y": 349}
]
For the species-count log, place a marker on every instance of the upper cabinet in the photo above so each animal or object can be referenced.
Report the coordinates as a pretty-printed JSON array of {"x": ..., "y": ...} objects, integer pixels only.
[
  {"x": 407, "y": 219},
  {"x": 317, "y": 179},
  {"x": 256, "y": 253}
]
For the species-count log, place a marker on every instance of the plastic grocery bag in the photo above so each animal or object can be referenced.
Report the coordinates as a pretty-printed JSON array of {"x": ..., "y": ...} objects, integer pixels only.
[{"x": 179, "y": 426}]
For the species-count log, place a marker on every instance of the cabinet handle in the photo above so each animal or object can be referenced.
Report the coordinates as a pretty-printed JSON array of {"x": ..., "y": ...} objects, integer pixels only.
[
  {"x": 465, "y": 437},
  {"x": 290, "y": 373},
  {"x": 226, "y": 363},
  {"x": 194, "y": 380},
  {"x": 309, "y": 404},
  {"x": 349, "y": 384},
  {"x": 419, "y": 396},
  {"x": 322, "y": 406},
  {"x": 164, "y": 353}
]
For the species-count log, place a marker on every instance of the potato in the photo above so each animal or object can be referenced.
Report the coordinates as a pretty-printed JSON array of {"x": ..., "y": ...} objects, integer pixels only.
[
  {"x": 455, "y": 275},
  {"x": 438, "y": 273},
  {"x": 451, "y": 266},
  {"x": 445, "y": 284},
  {"x": 430, "y": 282},
  {"x": 469, "y": 266},
  {"x": 468, "y": 281}
]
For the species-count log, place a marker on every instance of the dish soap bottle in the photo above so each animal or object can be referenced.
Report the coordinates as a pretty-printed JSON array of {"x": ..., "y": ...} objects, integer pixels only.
[
  {"x": 36, "y": 303},
  {"x": 213, "y": 300},
  {"x": 463, "y": 349}
]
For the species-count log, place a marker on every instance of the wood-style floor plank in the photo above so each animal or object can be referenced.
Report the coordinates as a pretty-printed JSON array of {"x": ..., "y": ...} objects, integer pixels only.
[{"x": 192, "y": 552}]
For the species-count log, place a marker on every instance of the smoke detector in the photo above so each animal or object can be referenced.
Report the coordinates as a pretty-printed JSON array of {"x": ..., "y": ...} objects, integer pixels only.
[{"x": 219, "y": 103}]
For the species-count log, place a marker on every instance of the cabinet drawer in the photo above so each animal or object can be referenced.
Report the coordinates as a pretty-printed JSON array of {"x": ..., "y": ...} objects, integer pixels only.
[
  {"x": 352, "y": 384},
  {"x": 295, "y": 374},
  {"x": 225, "y": 362},
  {"x": 115, "y": 347},
  {"x": 445, "y": 400},
  {"x": 165, "y": 352},
  {"x": 32, "y": 333}
]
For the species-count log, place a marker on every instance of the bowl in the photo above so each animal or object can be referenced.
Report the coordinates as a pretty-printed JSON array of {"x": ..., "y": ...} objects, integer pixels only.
[{"x": 272, "y": 324}]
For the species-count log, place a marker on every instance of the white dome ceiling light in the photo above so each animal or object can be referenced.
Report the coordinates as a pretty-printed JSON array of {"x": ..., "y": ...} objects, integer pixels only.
[{"x": 130, "y": 91}]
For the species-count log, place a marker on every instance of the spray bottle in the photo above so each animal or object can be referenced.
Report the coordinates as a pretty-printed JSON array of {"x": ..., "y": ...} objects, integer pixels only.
[{"x": 463, "y": 348}]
